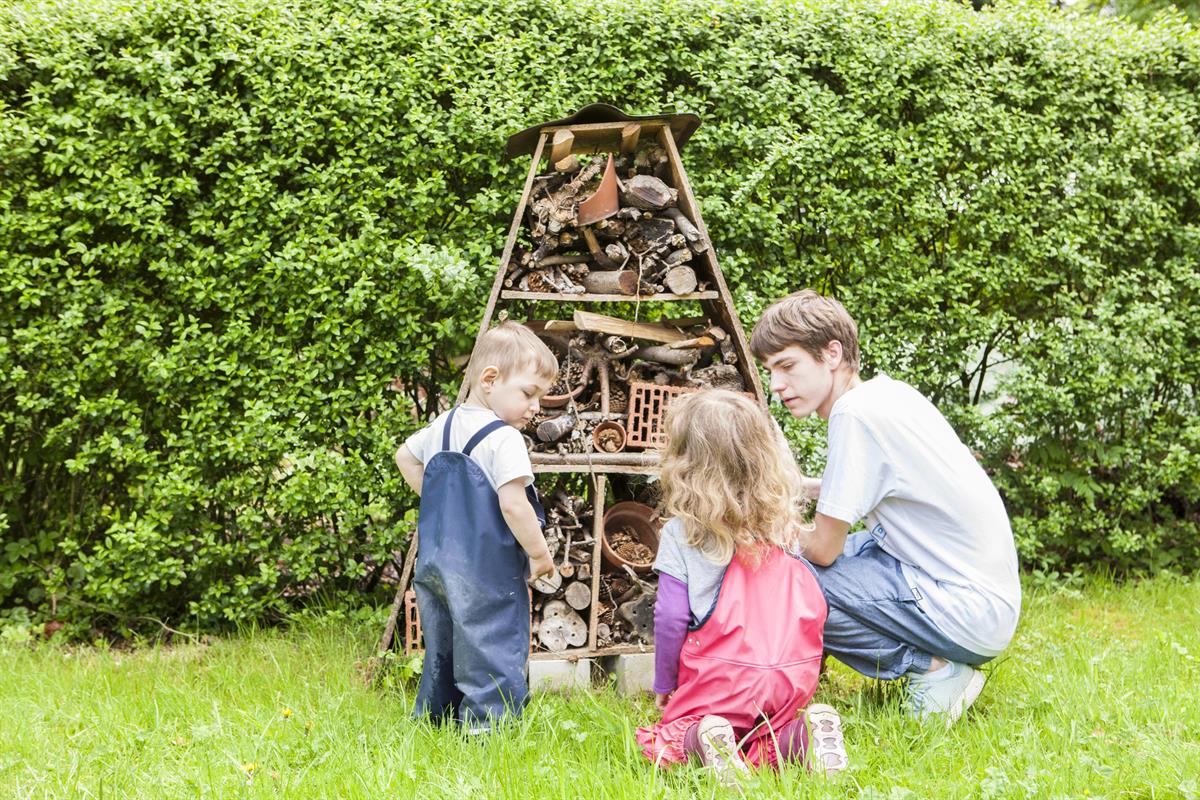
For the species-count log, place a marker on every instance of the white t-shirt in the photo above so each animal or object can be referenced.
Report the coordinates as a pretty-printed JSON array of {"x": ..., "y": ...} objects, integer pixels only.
[
  {"x": 501, "y": 454},
  {"x": 895, "y": 462}
]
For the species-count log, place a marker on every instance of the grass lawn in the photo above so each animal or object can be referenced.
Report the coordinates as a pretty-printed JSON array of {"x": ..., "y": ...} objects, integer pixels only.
[{"x": 1099, "y": 696}]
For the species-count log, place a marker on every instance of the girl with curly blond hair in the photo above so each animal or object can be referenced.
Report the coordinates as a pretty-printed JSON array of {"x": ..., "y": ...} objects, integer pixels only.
[{"x": 739, "y": 614}]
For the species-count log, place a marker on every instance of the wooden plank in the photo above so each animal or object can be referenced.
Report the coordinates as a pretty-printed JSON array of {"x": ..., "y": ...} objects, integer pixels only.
[
  {"x": 389, "y": 629},
  {"x": 629, "y": 138},
  {"x": 603, "y": 137},
  {"x": 598, "y": 459},
  {"x": 722, "y": 307},
  {"x": 576, "y": 653},
  {"x": 560, "y": 146},
  {"x": 498, "y": 283},
  {"x": 588, "y": 321},
  {"x": 622, "y": 650},
  {"x": 599, "y": 491},
  {"x": 650, "y": 125},
  {"x": 595, "y": 469},
  {"x": 514, "y": 294},
  {"x": 570, "y": 654}
]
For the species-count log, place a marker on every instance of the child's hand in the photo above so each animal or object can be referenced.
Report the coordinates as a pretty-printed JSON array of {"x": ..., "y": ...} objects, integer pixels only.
[
  {"x": 660, "y": 701},
  {"x": 541, "y": 566}
]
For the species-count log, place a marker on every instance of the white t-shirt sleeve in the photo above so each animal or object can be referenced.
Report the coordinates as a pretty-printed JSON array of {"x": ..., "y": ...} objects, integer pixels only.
[
  {"x": 418, "y": 444},
  {"x": 670, "y": 559},
  {"x": 858, "y": 473},
  {"x": 506, "y": 457}
]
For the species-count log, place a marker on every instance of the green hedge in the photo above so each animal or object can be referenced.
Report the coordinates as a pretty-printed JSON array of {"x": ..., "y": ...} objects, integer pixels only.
[{"x": 227, "y": 225}]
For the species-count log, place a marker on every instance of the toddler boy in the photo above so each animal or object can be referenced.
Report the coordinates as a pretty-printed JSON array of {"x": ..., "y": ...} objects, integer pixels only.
[{"x": 480, "y": 533}]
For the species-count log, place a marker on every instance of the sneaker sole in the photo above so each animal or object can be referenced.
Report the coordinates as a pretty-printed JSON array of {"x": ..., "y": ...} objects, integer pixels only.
[
  {"x": 969, "y": 696},
  {"x": 718, "y": 747},
  {"x": 825, "y": 739}
]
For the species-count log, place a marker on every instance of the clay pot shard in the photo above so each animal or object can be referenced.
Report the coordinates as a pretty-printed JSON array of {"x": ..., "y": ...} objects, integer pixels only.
[{"x": 604, "y": 203}]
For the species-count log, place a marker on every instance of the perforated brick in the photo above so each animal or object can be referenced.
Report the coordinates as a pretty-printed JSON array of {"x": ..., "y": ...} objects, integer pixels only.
[
  {"x": 413, "y": 639},
  {"x": 648, "y": 404}
]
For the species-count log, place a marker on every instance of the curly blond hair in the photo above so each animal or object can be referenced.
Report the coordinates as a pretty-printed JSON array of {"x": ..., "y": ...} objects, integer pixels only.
[{"x": 728, "y": 475}]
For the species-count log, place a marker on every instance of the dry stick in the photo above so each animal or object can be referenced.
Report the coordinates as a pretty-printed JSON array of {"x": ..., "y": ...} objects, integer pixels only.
[
  {"x": 389, "y": 630},
  {"x": 670, "y": 357},
  {"x": 572, "y": 258}
]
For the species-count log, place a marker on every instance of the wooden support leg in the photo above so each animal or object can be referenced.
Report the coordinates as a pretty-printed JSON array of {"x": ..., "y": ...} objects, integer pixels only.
[
  {"x": 599, "y": 489},
  {"x": 389, "y": 630}
]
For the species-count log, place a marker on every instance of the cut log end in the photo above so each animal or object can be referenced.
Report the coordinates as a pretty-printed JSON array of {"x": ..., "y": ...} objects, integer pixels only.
[{"x": 681, "y": 280}]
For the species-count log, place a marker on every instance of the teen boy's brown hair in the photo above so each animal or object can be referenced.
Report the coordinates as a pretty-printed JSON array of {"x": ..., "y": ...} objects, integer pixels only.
[{"x": 809, "y": 320}]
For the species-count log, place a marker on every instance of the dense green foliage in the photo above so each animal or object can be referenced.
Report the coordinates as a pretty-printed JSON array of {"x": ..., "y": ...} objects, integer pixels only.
[
  {"x": 1143, "y": 11},
  {"x": 226, "y": 226}
]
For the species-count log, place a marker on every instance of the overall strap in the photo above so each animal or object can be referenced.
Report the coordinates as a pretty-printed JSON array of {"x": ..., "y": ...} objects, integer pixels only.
[
  {"x": 481, "y": 434},
  {"x": 446, "y": 429}
]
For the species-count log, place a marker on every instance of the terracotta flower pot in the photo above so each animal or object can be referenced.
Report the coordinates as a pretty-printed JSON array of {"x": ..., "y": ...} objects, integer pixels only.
[
  {"x": 610, "y": 433},
  {"x": 639, "y": 518}
]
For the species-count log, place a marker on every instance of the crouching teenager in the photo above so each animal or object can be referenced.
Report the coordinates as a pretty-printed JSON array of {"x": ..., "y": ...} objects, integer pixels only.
[
  {"x": 929, "y": 589},
  {"x": 739, "y": 614}
]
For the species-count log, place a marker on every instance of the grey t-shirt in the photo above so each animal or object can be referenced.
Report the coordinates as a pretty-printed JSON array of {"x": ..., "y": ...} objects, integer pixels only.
[{"x": 683, "y": 562}]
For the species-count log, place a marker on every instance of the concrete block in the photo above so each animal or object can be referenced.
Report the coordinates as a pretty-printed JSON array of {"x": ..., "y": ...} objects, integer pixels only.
[
  {"x": 634, "y": 672},
  {"x": 551, "y": 675}
]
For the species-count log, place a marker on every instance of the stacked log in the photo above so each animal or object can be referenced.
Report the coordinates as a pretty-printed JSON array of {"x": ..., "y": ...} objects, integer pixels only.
[
  {"x": 643, "y": 245},
  {"x": 587, "y": 407},
  {"x": 562, "y": 605}
]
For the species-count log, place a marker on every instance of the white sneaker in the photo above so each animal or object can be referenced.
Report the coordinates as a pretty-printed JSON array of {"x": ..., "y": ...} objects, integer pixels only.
[
  {"x": 826, "y": 747},
  {"x": 719, "y": 750},
  {"x": 944, "y": 693}
]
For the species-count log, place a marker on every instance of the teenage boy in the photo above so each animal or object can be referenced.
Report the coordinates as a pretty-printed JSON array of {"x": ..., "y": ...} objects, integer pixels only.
[{"x": 929, "y": 590}]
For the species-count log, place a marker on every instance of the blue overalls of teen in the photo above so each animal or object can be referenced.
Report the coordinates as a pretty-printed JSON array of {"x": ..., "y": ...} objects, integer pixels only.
[{"x": 472, "y": 595}]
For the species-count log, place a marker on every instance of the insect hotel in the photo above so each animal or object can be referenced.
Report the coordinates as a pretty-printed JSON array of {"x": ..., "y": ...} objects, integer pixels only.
[{"x": 606, "y": 249}]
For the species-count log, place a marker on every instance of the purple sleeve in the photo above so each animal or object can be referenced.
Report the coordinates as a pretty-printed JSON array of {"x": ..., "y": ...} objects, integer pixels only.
[{"x": 672, "y": 614}]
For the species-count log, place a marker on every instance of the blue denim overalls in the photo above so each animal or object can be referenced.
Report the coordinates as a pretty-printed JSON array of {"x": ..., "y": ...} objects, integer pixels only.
[{"x": 470, "y": 582}]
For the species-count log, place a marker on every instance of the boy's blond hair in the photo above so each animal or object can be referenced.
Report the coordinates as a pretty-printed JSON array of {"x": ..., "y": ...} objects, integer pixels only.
[
  {"x": 510, "y": 347},
  {"x": 728, "y": 474},
  {"x": 810, "y": 321}
]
